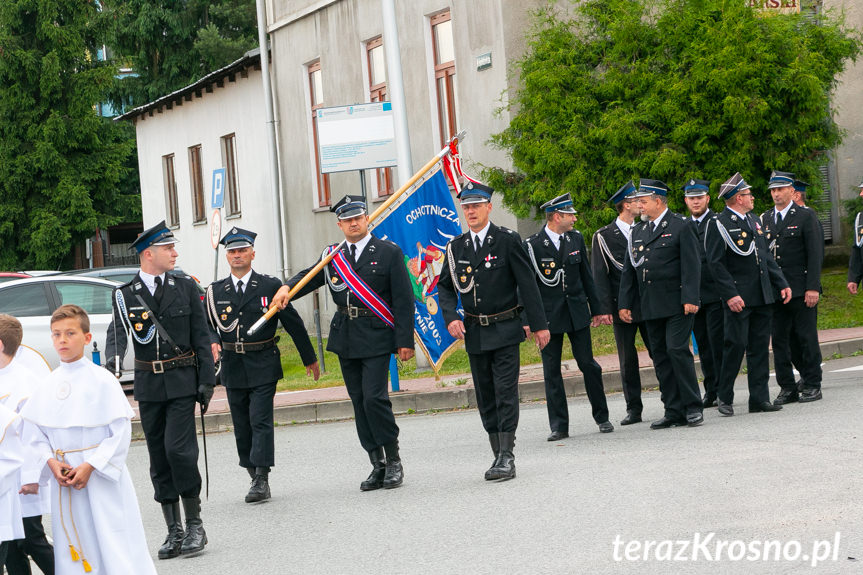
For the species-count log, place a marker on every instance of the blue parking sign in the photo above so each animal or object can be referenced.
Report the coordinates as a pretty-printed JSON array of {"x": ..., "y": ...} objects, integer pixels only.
[{"x": 218, "y": 195}]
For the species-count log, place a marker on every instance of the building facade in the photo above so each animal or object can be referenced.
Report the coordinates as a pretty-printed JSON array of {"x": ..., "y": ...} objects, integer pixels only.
[{"x": 456, "y": 62}]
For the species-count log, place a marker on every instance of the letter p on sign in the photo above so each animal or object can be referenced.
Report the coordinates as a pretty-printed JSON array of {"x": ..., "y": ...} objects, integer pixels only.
[{"x": 218, "y": 196}]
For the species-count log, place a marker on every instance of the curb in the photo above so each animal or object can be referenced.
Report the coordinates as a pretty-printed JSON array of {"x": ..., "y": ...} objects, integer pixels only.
[{"x": 447, "y": 399}]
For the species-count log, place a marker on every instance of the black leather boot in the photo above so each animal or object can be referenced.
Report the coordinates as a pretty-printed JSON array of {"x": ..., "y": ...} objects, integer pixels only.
[
  {"x": 394, "y": 475},
  {"x": 260, "y": 489},
  {"x": 504, "y": 467},
  {"x": 379, "y": 465},
  {"x": 251, "y": 472},
  {"x": 196, "y": 537},
  {"x": 171, "y": 547},
  {"x": 494, "y": 441}
]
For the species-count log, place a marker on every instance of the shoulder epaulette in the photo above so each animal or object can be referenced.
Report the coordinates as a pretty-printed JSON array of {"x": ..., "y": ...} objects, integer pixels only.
[{"x": 180, "y": 275}]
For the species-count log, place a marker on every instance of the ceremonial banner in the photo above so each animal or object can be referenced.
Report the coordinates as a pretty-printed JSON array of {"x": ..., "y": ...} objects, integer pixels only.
[{"x": 422, "y": 225}]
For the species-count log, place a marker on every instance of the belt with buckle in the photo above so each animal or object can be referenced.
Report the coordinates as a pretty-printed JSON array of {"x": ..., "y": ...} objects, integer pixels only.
[
  {"x": 484, "y": 320},
  {"x": 245, "y": 346},
  {"x": 166, "y": 364},
  {"x": 354, "y": 312}
]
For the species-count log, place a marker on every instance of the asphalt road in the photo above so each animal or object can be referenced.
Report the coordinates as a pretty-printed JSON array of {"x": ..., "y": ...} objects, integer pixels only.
[{"x": 792, "y": 477}]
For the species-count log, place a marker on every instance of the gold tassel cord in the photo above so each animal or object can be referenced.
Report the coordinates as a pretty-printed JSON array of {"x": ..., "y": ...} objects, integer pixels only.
[{"x": 76, "y": 554}]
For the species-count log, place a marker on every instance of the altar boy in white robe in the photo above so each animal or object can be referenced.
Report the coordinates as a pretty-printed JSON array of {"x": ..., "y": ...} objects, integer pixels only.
[
  {"x": 16, "y": 382},
  {"x": 11, "y": 460},
  {"x": 78, "y": 426}
]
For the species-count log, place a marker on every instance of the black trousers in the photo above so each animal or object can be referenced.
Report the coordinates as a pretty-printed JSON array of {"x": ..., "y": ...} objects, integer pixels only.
[
  {"x": 627, "y": 355},
  {"x": 674, "y": 366},
  {"x": 252, "y": 415},
  {"x": 795, "y": 341},
  {"x": 34, "y": 545},
  {"x": 366, "y": 380},
  {"x": 495, "y": 381},
  {"x": 555, "y": 393},
  {"x": 747, "y": 331},
  {"x": 709, "y": 335},
  {"x": 169, "y": 428}
]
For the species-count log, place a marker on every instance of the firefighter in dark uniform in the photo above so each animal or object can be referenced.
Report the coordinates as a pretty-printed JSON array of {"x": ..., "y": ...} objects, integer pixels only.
[
  {"x": 174, "y": 370},
  {"x": 559, "y": 259},
  {"x": 796, "y": 242},
  {"x": 375, "y": 318},
  {"x": 251, "y": 367},
  {"x": 708, "y": 326},
  {"x": 608, "y": 252},
  {"x": 747, "y": 279},
  {"x": 855, "y": 265},
  {"x": 799, "y": 198},
  {"x": 488, "y": 267},
  {"x": 663, "y": 261}
]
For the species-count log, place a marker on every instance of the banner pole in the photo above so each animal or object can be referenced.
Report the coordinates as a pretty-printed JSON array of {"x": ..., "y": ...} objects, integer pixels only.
[{"x": 375, "y": 215}]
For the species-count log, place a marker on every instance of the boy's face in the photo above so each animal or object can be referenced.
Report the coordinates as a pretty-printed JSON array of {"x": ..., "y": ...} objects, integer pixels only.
[{"x": 69, "y": 339}]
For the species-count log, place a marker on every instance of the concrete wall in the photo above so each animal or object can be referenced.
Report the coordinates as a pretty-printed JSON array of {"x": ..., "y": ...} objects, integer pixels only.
[
  {"x": 335, "y": 33},
  {"x": 235, "y": 108},
  {"x": 848, "y": 157}
]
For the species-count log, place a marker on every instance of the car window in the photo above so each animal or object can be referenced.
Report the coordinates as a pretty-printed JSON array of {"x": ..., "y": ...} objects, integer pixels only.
[
  {"x": 24, "y": 301},
  {"x": 122, "y": 277},
  {"x": 93, "y": 298}
]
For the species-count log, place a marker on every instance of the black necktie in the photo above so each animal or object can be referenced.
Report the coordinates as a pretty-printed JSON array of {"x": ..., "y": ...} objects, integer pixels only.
[
  {"x": 652, "y": 228},
  {"x": 354, "y": 252},
  {"x": 240, "y": 288},
  {"x": 157, "y": 293},
  {"x": 476, "y": 244},
  {"x": 778, "y": 218}
]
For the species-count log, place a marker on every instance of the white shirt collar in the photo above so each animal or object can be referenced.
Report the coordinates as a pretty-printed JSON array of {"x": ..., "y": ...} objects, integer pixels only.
[
  {"x": 555, "y": 237},
  {"x": 738, "y": 214},
  {"x": 361, "y": 245},
  {"x": 659, "y": 219},
  {"x": 784, "y": 211},
  {"x": 150, "y": 280},
  {"x": 624, "y": 227},
  {"x": 481, "y": 234},
  {"x": 700, "y": 218},
  {"x": 245, "y": 279}
]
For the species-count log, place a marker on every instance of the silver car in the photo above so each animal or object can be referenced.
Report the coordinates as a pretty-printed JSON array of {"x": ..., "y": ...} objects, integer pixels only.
[{"x": 33, "y": 300}]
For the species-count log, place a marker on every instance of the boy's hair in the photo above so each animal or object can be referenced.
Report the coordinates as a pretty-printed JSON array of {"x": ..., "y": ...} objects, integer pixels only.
[
  {"x": 11, "y": 334},
  {"x": 72, "y": 311}
]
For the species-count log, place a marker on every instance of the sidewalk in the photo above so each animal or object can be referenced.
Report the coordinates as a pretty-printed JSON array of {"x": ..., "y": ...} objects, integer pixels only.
[{"x": 426, "y": 394}]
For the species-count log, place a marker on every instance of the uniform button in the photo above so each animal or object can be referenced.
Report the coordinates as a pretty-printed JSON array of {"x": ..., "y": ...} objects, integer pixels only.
[
  {"x": 478, "y": 300},
  {"x": 649, "y": 282},
  {"x": 648, "y": 249},
  {"x": 241, "y": 313}
]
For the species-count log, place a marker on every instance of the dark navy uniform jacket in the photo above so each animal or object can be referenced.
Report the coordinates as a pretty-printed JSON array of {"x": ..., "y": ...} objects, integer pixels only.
[
  {"x": 182, "y": 315},
  {"x": 572, "y": 301},
  {"x": 666, "y": 267},
  {"x": 855, "y": 265},
  {"x": 739, "y": 261},
  {"x": 608, "y": 252},
  {"x": 382, "y": 266},
  {"x": 259, "y": 367},
  {"x": 709, "y": 293},
  {"x": 797, "y": 245},
  {"x": 497, "y": 279}
]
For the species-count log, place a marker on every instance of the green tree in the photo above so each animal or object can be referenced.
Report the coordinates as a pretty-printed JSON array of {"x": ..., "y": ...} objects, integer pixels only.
[
  {"x": 60, "y": 163},
  {"x": 614, "y": 90},
  {"x": 172, "y": 43}
]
